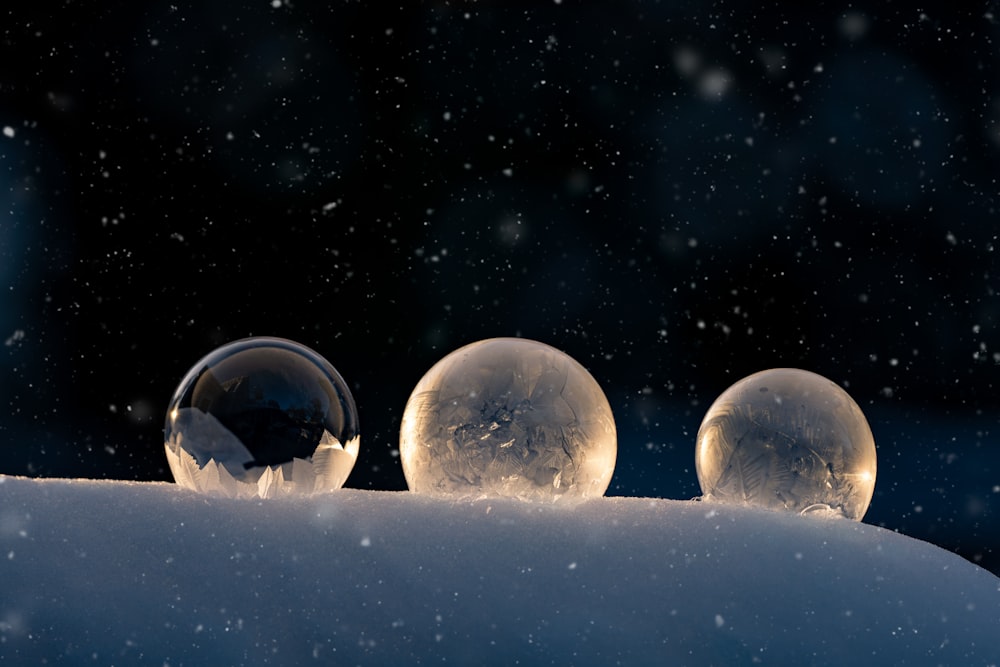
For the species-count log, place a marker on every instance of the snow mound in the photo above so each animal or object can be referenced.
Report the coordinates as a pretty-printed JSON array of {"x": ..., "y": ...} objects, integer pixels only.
[{"x": 129, "y": 573}]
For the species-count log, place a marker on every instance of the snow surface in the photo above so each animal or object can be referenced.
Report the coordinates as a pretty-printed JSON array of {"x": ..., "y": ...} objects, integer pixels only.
[{"x": 117, "y": 573}]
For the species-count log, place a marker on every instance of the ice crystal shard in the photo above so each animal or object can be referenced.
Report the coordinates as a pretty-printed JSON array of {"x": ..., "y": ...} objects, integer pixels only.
[
  {"x": 262, "y": 417},
  {"x": 787, "y": 439},
  {"x": 227, "y": 472},
  {"x": 508, "y": 417}
]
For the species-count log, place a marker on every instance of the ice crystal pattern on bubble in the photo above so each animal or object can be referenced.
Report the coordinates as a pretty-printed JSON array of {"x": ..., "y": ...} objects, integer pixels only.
[
  {"x": 262, "y": 417},
  {"x": 508, "y": 417},
  {"x": 787, "y": 439}
]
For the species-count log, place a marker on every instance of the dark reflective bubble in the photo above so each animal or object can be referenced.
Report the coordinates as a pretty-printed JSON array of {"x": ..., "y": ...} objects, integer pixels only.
[{"x": 257, "y": 407}]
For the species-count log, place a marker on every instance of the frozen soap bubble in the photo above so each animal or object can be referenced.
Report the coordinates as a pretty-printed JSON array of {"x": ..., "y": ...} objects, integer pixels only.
[
  {"x": 262, "y": 417},
  {"x": 508, "y": 417},
  {"x": 787, "y": 439}
]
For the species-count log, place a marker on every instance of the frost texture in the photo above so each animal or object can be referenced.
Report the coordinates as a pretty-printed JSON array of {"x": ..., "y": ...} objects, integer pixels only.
[
  {"x": 229, "y": 471},
  {"x": 508, "y": 417},
  {"x": 790, "y": 440}
]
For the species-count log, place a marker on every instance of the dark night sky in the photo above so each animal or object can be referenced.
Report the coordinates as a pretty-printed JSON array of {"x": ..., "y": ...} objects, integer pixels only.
[{"x": 676, "y": 194}]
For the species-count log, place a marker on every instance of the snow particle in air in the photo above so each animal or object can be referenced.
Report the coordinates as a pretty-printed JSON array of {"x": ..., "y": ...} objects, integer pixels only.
[{"x": 14, "y": 338}]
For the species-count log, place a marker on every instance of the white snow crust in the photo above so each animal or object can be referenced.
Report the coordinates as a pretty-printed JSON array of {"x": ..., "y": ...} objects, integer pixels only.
[{"x": 113, "y": 573}]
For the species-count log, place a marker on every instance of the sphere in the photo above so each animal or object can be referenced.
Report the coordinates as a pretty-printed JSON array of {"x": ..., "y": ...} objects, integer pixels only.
[
  {"x": 262, "y": 417},
  {"x": 787, "y": 439},
  {"x": 508, "y": 417}
]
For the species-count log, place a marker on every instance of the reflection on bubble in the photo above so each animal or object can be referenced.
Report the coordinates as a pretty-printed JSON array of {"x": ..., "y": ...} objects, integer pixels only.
[
  {"x": 262, "y": 417},
  {"x": 787, "y": 439},
  {"x": 508, "y": 417}
]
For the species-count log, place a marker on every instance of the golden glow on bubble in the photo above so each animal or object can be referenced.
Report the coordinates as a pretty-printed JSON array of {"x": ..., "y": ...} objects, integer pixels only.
[
  {"x": 508, "y": 417},
  {"x": 787, "y": 439}
]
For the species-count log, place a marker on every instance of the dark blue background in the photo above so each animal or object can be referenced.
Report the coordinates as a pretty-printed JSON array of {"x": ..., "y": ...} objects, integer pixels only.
[{"x": 676, "y": 194}]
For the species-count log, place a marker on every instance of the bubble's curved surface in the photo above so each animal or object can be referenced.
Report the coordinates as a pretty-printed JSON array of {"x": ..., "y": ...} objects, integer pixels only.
[
  {"x": 262, "y": 417},
  {"x": 787, "y": 439},
  {"x": 508, "y": 417}
]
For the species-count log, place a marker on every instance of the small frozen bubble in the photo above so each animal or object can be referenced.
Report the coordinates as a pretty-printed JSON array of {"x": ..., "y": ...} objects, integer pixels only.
[
  {"x": 262, "y": 417},
  {"x": 787, "y": 439},
  {"x": 508, "y": 417}
]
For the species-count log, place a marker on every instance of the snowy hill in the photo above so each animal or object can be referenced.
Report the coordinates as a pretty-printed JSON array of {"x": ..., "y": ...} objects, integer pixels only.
[{"x": 148, "y": 573}]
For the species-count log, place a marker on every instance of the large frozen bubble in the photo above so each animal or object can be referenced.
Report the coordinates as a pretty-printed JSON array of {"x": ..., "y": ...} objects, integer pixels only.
[
  {"x": 508, "y": 417},
  {"x": 262, "y": 417},
  {"x": 787, "y": 439}
]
